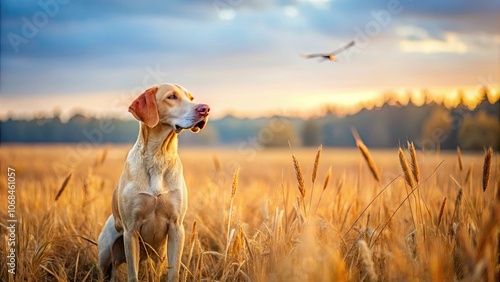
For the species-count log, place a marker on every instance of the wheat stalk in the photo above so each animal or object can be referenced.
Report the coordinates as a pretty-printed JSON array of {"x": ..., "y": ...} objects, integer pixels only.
[
  {"x": 367, "y": 259},
  {"x": 369, "y": 160},
  {"x": 237, "y": 244},
  {"x": 400, "y": 205},
  {"x": 300, "y": 181},
  {"x": 104, "y": 155},
  {"x": 458, "y": 201},
  {"x": 325, "y": 184},
  {"x": 194, "y": 234},
  {"x": 490, "y": 229},
  {"x": 416, "y": 174},
  {"x": 235, "y": 182},
  {"x": 216, "y": 163},
  {"x": 316, "y": 163},
  {"x": 327, "y": 178},
  {"x": 441, "y": 211},
  {"x": 456, "y": 211},
  {"x": 298, "y": 175},
  {"x": 315, "y": 172},
  {"x": 406, "y": 169},
  {"x": 414, "y": 163},
  {"x": 366, "y": 154},
  {"x": 63, "y": 185},
  {"x": 233, "y": 192},
  {"x": 487, "y": 167},
  {"x": 459, "y": 154},
  {"x": 468, "y": 175}
]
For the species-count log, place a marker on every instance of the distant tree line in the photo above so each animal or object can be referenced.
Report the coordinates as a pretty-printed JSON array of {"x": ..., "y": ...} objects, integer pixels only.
[{"x": 430, "y": 125}]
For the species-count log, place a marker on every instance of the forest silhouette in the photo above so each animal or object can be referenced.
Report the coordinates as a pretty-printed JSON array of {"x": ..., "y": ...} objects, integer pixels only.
[{"x": 430, "y": 125}]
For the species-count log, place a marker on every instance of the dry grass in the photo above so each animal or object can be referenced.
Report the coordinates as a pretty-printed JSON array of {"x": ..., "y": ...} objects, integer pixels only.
[
  {"x": 63, "y": 186},
  {"x": 441, "y": 213},
  {"x": 459, "y": 155},
  {"x": 367, "y": 260},
  {"x": 366, "y": 155},
  {"x": 245, "y": 221},
  {"x": 414, "y": 162},
  {"x": 406, "y": 169},
  {"x": 488, "y": 154},
  {"x": 369, "y": 159}
]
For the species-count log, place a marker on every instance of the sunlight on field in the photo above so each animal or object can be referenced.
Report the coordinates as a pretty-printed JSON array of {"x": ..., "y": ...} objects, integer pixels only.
[{"x": 274, "y": 233}]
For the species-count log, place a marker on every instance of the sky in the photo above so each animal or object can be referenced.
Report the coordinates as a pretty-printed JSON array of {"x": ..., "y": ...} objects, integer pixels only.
[{"x": 240, "y": 56}]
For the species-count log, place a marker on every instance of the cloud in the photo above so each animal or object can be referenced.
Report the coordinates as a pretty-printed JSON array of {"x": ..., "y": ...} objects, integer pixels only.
[
  {"x": 107, "y": 46},
  {"x": 437, "y": 17},
  {"x": 291, "y": 11},
  {"x": 451, "y": 44},
  {"x": 412, "y": 32},
  {"x": 418, "y": 40}
]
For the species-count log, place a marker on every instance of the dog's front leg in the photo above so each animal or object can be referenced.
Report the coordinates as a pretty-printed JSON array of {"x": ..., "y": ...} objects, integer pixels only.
[
  {"x": 132, "y": 254},
  {"x": 174, "y": 249}
]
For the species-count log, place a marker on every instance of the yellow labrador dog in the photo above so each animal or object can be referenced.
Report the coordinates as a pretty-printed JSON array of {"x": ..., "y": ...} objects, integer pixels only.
[{"x": 150, "y": 200}]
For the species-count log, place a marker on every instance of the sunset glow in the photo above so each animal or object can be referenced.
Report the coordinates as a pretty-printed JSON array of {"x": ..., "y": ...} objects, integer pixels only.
[
  {"x": 243, "y": 58},
  {"x": 310, "y": 104}
]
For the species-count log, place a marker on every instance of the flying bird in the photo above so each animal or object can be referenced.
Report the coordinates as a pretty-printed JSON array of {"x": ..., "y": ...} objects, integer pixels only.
[{"x": 329, "y": 56}]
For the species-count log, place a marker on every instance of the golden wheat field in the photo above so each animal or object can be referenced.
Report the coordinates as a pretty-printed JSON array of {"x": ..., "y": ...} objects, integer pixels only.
[{"x": 307, "y": 217}]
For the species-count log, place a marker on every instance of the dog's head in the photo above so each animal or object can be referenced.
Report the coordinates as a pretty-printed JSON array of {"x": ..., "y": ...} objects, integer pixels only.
[{"x": 172, "y": 105}]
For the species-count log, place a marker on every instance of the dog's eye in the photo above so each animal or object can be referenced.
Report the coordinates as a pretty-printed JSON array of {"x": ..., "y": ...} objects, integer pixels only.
[{"x": 172, "y": 97}]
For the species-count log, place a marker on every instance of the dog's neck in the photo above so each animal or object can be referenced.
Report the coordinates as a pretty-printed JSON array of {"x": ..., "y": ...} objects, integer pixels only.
[{"x": 159, "y": 141}]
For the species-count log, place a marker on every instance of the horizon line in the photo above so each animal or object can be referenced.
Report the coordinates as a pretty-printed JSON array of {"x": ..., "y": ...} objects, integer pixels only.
[{"x": 392, "y": 100}]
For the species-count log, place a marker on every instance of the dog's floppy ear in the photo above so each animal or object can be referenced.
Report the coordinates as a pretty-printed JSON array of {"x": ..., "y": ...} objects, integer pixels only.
[{"x": 144, "y": 108}]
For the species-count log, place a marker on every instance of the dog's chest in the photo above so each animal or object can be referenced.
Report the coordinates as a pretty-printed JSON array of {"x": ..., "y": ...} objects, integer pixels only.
[
  {"x": 163, "y": 204},
  {"x": 164, "y": 176},
  {"x": 154, "y": 214}
]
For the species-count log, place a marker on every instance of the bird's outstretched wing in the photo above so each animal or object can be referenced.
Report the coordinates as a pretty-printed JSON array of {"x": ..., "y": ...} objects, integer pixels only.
[
  {"x": 329, "y": 55},
  {"x": 342, "y": 49},
  {"x": 309, "y": 56}
]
